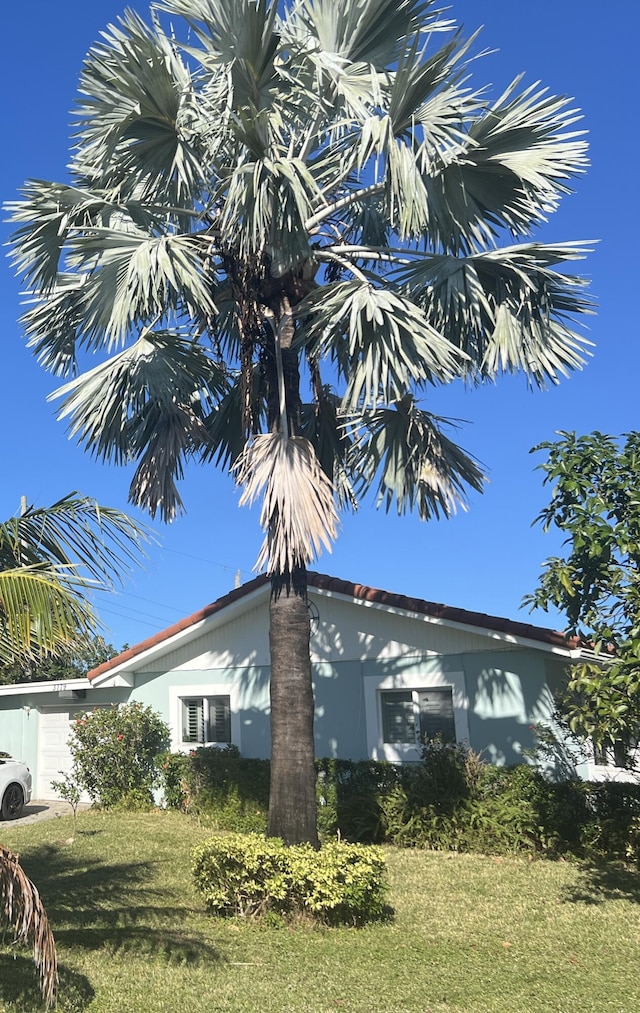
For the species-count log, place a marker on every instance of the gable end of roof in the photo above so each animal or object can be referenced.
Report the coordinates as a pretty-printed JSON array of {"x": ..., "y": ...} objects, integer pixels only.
[{"x": 359, "y": 592}]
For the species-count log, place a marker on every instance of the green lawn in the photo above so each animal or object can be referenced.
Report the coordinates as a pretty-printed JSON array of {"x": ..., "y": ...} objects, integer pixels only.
[{"x": 469, "y": 934}]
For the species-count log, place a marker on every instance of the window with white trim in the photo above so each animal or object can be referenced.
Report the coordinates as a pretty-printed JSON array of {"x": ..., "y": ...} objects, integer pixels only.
[
  {"x": 412, "y": 716},
  {"x": 404, "y": 707},
  {"x": 613, "y": 754},
  {"x": 204, "y": 714},
  {"x": 206, "y": 720}
]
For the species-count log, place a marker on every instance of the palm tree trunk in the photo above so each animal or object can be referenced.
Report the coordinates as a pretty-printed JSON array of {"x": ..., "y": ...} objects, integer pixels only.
[{"x": 292, "y": 801}]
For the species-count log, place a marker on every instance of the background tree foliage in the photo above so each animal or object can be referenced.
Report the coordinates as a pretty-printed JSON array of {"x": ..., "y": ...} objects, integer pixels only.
[
  {"x": 596, "y": 583},
  {"x": 70, "y": 664}
]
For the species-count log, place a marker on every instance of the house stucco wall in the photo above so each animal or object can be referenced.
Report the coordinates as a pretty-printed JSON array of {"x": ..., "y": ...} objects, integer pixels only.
[
  {"x": 507, "y": 692},
  {"x": 20, "y": 718},
  {"x": 356, "y": 648}
]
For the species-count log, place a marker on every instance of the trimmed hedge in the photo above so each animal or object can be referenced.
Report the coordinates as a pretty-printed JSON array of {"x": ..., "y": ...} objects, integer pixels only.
[
  {"x": 228, "y": 790},
  {"x": 449, "y": 801},
  {"x": 250, "y": 875}
]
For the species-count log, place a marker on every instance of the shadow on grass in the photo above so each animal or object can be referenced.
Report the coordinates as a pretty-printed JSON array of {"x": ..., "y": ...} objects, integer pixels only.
[
  {"x": 604, "y": 881},
  {"x": 19, "y": 989},
  {"x": 94, "y": 904}
]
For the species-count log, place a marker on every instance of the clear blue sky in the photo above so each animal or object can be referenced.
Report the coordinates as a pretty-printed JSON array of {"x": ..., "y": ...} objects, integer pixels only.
[{"x": 486, "y": 559}]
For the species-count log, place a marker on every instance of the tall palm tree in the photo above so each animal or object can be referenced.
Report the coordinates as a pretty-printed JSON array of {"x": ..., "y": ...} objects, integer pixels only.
[
  {"x": 281, "y": 229},
  {"x": 50, "y": 559}
]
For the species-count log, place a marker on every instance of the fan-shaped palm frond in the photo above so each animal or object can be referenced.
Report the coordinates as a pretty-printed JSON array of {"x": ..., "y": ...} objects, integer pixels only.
[
  {"x": 520, "y": 155},
  {"x": 139, "y": 127},
  {"x": 242, "y": 35},
  {"x": 60, "y": 208},
  {"x": 132, "y": 277},
  {"x": 415, "y": 465},
  {"x": 508, "y": 309},
  {"x": 161, "y": 374},
  {"x": 388, "y": 341},
  {"x": 370, "y": 32},
  {"x": 22, "y": 910}
]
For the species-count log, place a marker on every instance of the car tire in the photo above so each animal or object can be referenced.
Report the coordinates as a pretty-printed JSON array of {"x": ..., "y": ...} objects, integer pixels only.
[{"x": 12, "y": 802}]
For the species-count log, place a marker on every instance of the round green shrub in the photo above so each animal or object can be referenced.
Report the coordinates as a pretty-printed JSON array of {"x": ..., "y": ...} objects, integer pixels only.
[{"x": 249, "y": 875}]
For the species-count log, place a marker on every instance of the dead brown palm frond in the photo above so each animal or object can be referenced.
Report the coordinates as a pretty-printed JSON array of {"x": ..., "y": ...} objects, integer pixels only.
[
  {"x": 298, "y": 509},
  {"x": 22, "y": 909}
]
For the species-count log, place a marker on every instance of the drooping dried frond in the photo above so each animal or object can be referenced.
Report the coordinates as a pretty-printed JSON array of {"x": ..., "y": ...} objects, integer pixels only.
[
  {"x": 298, "y": 511},
  {"x": 22, "y": 910}
]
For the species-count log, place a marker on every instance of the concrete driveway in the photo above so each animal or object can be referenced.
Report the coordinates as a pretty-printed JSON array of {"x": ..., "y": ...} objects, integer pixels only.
[{"x": 37, "y": 811}]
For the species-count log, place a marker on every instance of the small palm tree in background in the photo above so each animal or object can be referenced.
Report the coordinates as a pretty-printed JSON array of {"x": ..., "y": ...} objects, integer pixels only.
[
  {"x": 282, "y": 227},
  {"x": 50, "y": 560}
]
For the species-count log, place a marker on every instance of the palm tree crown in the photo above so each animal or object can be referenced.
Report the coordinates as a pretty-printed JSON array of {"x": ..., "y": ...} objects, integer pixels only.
[{"x": 300, "y": 196}]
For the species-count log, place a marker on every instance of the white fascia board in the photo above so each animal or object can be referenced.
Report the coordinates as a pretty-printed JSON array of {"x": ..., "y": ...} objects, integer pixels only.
[
  {"x": 565, "y": 652},
  {"x": 20, "y": 688},
  {"x": 114, "y": 680},
  {"x": 107, "y": 679}
]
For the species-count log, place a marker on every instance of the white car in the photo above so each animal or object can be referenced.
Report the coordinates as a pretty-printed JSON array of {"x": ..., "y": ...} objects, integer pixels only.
[{"x": 15, "y": 787}]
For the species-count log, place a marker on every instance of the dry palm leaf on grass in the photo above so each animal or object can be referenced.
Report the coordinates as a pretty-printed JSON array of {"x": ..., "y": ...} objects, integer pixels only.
[{"x": 22, "y": 910}]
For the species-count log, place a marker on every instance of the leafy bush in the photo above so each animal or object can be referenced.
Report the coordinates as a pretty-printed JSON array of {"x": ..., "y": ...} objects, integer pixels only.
[
  {"x": 173, "y": 773},
  {"x": 450, "y": 773},
  {"x": 349, "y": 797},
  {"x": 452, "y": 800},
  {"x": 250, "y": 875},
  {"x": 229, "y": 791},
  {"x": 114, "y": 754},
  {"x": 616, "y": 818}
]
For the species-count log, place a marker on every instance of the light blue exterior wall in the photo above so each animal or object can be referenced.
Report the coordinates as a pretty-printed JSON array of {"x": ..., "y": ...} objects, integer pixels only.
[
  {"x": 507, "y": 693},
  {"x": 19, "y": 730},
  {"x": 19, "y": 718},
  {"x": 153, "y": 690},
  {"x": 507, "y": 690}
]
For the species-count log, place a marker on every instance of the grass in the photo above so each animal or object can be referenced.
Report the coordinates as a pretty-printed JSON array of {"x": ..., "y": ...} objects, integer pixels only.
[{"x": 469, "y": 934}]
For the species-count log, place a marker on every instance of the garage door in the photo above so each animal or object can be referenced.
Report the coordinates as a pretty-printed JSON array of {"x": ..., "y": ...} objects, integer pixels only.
[{"x": 54, "y": 758}]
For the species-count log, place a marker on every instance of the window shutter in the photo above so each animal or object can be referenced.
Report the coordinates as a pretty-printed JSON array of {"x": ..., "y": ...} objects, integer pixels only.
[
  {"x": 192, "y": 721},
  {"x": 220, "y": 719},
  {"x": 398, "y": 724},
  {"x": 436, "y": 714}
]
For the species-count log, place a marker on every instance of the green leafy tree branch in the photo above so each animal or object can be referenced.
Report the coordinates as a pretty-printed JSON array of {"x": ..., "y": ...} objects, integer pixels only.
[{"x": 596, "y": 583}]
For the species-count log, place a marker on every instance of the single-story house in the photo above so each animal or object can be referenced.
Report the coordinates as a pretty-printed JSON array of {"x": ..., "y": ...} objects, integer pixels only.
[{"x": 387, "y": 670}]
